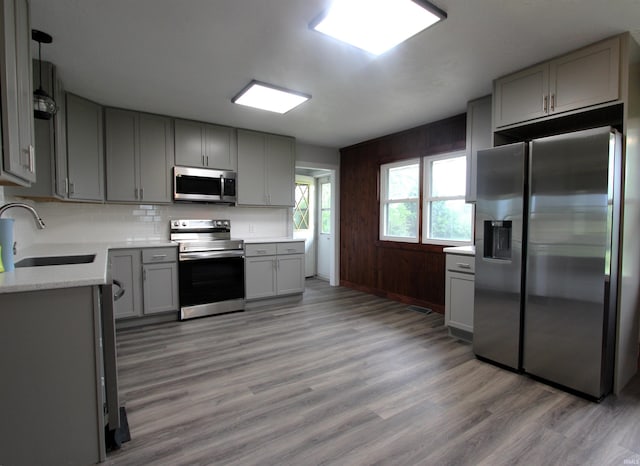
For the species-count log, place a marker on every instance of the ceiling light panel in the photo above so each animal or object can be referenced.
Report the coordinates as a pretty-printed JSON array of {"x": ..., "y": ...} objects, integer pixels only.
[
  {"x": 269, "y": 97},
  {"x": 377, "y": 25}
]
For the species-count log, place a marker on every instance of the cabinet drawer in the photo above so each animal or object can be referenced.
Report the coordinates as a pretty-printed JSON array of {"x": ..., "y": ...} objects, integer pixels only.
[
  {"x": 260, "y": 249},
  {"x": 152, "y": 255},
  {"x": 290, "y": 248},
  {"x": 460, "y": 263}
]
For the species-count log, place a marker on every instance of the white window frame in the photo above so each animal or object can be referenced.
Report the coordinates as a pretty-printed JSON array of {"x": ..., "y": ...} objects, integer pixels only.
[
  {"x": 384, "y": 201},
  {"x": 427, "y": 199}
]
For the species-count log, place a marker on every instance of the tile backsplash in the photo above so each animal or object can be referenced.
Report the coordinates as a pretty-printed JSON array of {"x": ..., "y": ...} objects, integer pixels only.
[{"x": 87, "y": 223}]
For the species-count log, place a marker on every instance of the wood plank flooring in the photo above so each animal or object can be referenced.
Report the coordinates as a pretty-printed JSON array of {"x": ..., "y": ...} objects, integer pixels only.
[{"x": 347, "y": 378}]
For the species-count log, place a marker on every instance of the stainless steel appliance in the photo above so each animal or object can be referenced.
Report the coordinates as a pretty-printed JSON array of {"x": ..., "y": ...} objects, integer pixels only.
[
  {"x": 204, "y": 185},
  {"x": 210, "y": 267},
  {"x": 547, "y": 237}
]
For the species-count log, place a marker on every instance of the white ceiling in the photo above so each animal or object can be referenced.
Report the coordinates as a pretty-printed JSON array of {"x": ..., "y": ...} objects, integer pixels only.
[{"x": 188, "y": 58}]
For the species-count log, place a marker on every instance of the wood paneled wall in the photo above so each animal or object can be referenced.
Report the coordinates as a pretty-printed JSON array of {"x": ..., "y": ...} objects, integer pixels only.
[{"x": 411, "y": 273}]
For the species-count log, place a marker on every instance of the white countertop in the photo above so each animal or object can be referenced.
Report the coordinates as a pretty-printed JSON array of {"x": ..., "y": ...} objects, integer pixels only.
[
  {"x": 462, "y": 250},
  {"x": 272, "y": 240},
  {"x": 66, "y": 276}
]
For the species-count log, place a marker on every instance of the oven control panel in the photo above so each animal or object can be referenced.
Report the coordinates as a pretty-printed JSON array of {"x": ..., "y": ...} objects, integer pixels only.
[{"x": 200, "y": 225}]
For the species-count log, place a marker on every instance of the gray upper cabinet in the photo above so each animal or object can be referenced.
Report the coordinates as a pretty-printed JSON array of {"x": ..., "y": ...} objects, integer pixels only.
[
  {"x": 85, "y": 153},
  {"x": 586, "y": 77},
  {"x": 139, "y": 156},
  {"x": 266, "y": 164},
  {"x": 478, "y": 138},
  {"x": 61, "y": 187},
  {"x": 204, "y": 145},
  {"x": 18, "y": 139}
]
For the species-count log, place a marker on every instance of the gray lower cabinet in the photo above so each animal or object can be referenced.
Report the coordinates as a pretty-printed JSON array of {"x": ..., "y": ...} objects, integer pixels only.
[
  {"x": 160, "y": 280},
  {"x": 149, "y": 277},
  {"x": 266, "y": 169},
  {"x": 85, "y": 149},
  {"x": 125, "y": 269},
  {"x": 204, "y": 145},
  {"x": 459, "y": 293},
  {"x": 17, "y": 164},
  {"x": 274, "y": 269},
  {"x": 139, "y": 156},
  {"x": 51, "y": 395}
]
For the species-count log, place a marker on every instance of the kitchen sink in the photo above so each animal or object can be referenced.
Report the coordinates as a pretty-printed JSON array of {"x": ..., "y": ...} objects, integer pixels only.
[{"x": 55, "y": 260}]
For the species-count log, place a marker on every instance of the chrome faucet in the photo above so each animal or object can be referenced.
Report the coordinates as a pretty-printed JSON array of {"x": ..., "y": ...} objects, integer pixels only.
[{"x": 39, "y": 223}]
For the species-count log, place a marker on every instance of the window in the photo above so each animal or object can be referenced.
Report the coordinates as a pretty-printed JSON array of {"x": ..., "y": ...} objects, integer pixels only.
[
  {"x": 399, "y": 201},
  {"x": 447, "y": 219},
  {"x": 301, "y": 207},
  {"x": 325, "y": 207}
]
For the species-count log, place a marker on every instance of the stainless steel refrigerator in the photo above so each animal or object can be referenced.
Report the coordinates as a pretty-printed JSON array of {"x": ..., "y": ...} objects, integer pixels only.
[{"x": 547, "y": 236}]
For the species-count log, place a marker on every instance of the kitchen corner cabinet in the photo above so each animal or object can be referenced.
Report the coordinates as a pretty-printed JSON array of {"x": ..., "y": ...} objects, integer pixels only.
[
  {"x": 85, "y": 149},
  {"x": 586, "y": 77},
  {"x": 125, "y": 268},
  {"x": 459, "y": 295},
  {"x": 139, "y": 156},
  {"x": 266, "y": 165},
  {"x": 478, "y": 137},
  {"x": 274, "y": 269},
  {"x": 149, "y": 277},
  {"x": 17, "y": 165},
  {"x": 205, "y": 145}
]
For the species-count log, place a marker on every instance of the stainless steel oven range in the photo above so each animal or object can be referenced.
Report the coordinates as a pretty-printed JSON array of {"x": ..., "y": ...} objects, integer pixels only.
[{"x": 210, "y": 267}]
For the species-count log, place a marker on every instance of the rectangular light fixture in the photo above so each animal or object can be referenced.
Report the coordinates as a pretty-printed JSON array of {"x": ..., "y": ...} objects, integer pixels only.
[
  {"x": 269, "y": 97},
  {"x": 377, "y": 25}
]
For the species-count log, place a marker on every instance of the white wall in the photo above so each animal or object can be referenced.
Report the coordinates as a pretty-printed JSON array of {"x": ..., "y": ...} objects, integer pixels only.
[
  {"x": 308, "y": 155},
  {"x": 85, "y": 223}
]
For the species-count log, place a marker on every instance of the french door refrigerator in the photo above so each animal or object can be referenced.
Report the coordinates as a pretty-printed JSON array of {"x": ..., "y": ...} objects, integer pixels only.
[{"x": 547, "y": 235}]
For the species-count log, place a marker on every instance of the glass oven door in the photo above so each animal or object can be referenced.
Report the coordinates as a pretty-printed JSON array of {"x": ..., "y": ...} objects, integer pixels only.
[{"x": 211, "y": 280}]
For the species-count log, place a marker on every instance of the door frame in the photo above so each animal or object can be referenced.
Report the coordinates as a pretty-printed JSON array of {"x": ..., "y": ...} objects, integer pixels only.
[{"x": 333, "y": 171}]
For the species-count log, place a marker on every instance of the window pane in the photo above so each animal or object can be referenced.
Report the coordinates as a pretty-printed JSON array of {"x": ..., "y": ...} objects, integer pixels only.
[
  {"x": 404, "y": 182},
  {"x": 325, "y": 201},
  {"x": 402, "y": 219},
  {"x": 450, "y": 220},
  {"x": 326, "y": 222},
  {"x": 301, "y": 207},
  {"x": 448, "y": 177}
]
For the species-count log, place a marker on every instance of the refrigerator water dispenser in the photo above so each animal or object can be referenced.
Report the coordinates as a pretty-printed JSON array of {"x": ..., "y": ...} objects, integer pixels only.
[{"x": 497, "y": 244}]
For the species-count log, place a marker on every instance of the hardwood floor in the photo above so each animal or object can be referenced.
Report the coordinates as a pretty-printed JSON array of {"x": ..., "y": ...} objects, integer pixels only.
[{"x": 348, "y": 378}]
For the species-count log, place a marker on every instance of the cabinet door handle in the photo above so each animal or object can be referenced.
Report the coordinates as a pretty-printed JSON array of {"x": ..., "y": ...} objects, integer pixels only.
[
  {"x": 71, "y": 188},
  {"x": 158, "y": 256},
  {"x": 144, "y": 275},
  {"x": 135, "y": 193},
  {"x": 141, "y": 193},
  {"x": 32, "y": 158},
  {"x": 291, "y": 250},
  {"x": 553, "y": 102},
  {"x": 261, "y": 251},
  {"x": 203, "y": 162},
  {"x": 462, "y": 265},
  {"x": 545, "y": 104},
  {"x": 66, "y": 186}
]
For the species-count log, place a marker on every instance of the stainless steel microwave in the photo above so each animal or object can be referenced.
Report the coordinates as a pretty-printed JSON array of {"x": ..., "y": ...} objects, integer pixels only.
[{"x": 204, "y": 185}]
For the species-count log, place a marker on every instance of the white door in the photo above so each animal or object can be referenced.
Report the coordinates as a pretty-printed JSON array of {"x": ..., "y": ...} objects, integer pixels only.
[
  {"x": 325, "y": 228},
  {"x": 304, "y": 220}
]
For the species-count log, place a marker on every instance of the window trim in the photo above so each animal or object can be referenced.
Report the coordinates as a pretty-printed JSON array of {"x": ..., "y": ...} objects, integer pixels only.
[
  {"x": 384, "y": 201},
  {"x": 427, "y": 199}
]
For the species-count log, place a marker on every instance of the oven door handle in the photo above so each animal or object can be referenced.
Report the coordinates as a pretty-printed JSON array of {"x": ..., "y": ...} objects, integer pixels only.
[{"x": 190, "y": 256}]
